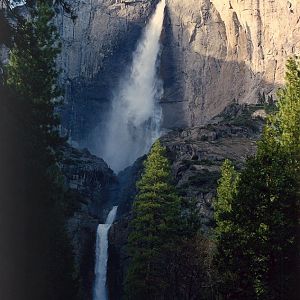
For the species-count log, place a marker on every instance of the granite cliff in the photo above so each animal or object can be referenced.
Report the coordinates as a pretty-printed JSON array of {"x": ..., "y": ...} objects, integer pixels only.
[
  {"x": 216, "y": 51},
  {"x": 88, "y": 182},
  {"x": 212, "y": 53},
  {"x": 96, "y": 49}
]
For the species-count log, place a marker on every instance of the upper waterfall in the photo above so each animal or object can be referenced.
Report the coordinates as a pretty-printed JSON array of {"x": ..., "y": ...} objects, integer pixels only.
[{"x": 135, "y": 117}]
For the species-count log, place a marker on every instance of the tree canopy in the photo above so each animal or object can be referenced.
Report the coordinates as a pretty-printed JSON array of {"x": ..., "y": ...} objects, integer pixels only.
[
  {"x": 258, "y": 234},
  {"x": 153, "y": 229},
  {"x": 36, "y": 251}
]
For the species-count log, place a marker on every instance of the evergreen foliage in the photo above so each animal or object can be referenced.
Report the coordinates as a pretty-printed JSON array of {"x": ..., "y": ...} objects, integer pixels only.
[
  {"x": 226, "y": 191},
  {"x": 170, "y": 257},
  {"x": 32, "y": 73},
  {"x": 153, "y": 230},
  {"x": 258, "y": 245},
  {"x": 36, "y": 254},
  {"x": 225, "y": 227}
]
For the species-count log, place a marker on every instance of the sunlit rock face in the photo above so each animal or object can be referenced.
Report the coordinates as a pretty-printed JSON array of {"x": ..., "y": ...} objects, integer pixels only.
[
  {"x": 96, "y": 49},
  {"x": 213, "y": 52},
  {"x": 217, "y": 51}
]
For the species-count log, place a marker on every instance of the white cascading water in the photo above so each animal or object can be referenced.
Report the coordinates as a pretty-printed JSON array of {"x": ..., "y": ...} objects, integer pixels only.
[
  {"x": 135, "y": 117},
  {"x": 100, "y": 289}
]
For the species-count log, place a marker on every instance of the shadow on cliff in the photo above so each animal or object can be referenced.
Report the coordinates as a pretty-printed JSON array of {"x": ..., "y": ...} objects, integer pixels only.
[
  {"x": 198, "y": 87},
  {"x": 88, "y": 100},
  {"x": 192, "y": 95},
  {"x": 223, "y": 82}
]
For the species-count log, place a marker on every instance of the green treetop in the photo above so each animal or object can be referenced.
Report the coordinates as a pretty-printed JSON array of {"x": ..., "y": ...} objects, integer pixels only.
[
  {"x": 288, "y": 116},
  {"x": 260, "y": 247},
  {"x": 32, "y": 71},
  {"x": 153, "y": 229},
  {"x": 226, "y": 191}
]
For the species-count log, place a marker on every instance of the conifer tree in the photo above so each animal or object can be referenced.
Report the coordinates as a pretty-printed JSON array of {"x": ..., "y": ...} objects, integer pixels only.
[
  {"x": 262, "y": 244},
  {"x": 225, "y": 229},
  {"x": 226, "y": 191},
  {"x": 153, "y": 237},
  {"x": 40, "y": 258},
  {"x": 32, "y": 71}
]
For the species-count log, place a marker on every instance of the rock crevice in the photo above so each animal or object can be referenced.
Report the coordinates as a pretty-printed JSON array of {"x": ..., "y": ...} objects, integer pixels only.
[{"x": 225, "y": 50}]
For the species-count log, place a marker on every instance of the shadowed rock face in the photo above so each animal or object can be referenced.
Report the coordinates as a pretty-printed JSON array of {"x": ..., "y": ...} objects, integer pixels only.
[
  {"x": 118, "y": 259},
  {"x": 213, "y": 52},
  {"x": 196, "y": 155},
  {"x": 93, "y": 189},
  {"x": 216, "y": 51},
  {"x": 96, "y": 49},
  {"x": 89, "y": 181}
]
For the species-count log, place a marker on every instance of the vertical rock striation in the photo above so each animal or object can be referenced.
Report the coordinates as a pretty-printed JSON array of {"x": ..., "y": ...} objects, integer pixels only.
[
  {"x": 214, "y": 52},
  {"x": 96, "y": 49},
  {"x": 217, "y": 51}
]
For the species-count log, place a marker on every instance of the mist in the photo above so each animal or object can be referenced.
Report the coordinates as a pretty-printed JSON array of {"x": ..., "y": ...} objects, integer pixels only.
[{"x": 134, "y": 120}]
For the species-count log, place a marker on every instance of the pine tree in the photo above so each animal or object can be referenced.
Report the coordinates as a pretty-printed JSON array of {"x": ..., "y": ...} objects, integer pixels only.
[
  {"x": 288, "y": 116},
  {"x": 227, "y": 189},
  {"x": 279, "y": 159},
  {"x": 262, "y": 243},
  {"x": 225, "y": 230},
  {"x": 32, "y": 71},
  {"x": 153, "y": 237},
  {"x": 40, "y": 257}
]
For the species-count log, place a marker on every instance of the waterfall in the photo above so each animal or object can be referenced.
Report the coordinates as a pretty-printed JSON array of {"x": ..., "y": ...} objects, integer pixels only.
[
  {"x": 135, "y": 117},
  {"x": 100, "y": 290}
]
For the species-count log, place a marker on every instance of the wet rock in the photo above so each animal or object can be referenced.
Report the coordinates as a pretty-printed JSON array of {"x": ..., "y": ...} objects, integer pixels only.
[
  {"x": 196, "y": 155},
  {"x": 89, "y": 181},
  {"x": 96, "y": 49}
]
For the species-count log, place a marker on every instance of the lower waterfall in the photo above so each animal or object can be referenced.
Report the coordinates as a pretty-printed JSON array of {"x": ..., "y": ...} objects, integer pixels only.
[
  {"x": 100, "y": 289},
  {"x": 133, "y": 125}
]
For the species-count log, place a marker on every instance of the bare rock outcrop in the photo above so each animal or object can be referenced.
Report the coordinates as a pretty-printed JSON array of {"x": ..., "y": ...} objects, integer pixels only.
[
  {"x": 213, "y": 52},
  {"x": 88, "y": 182},
  {"x": 196, "y": 155},
  {"x": 96, "y": 49},
  {"x": 217, "y": 51}
]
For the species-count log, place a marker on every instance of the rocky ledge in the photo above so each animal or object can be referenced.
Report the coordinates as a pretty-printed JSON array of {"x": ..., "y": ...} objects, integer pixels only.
[
  {"x": 196, "y": 155},
  {"x": 89, "y": 182}
]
